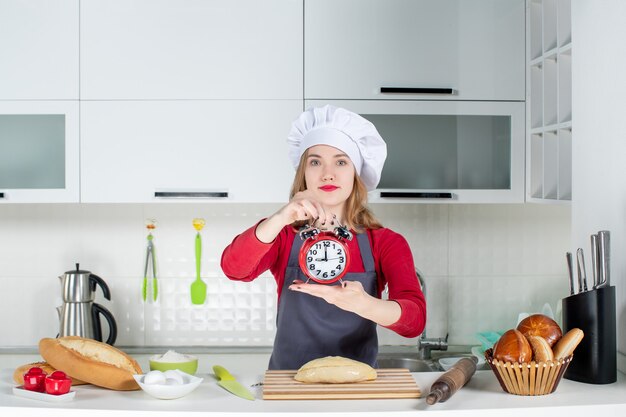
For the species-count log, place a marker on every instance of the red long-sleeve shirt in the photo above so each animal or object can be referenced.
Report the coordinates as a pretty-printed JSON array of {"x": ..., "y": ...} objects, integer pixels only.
[{"x": 247, "y": 257}]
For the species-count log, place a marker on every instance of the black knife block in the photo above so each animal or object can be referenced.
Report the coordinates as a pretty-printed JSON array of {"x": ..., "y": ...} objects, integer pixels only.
[{"x": 595, "y": 358}]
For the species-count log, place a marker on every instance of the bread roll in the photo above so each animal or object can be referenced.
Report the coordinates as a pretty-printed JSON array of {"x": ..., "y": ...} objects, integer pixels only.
[
  {"x": 541, "y": 325},
  {"x": 568, "y": 343},
  {"x": 18, "y": 374},
  {"x": 335, "y": 370},
  {"x": 512, "y": 347},
  {"x": 91, "y": 361},
  {"x": 542, "y": 351}
]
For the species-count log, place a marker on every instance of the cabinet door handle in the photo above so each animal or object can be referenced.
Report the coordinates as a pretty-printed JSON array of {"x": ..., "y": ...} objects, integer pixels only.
[
  {"x": 191, "y": 194},
  {"x": 412, "y": 194},
  {"x": 418, "y": 90}
]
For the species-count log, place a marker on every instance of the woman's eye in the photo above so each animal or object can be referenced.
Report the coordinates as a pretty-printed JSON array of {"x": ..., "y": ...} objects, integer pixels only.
[
  {"x": 342, "y": 162},
  {"x": 314, "y": 162}
]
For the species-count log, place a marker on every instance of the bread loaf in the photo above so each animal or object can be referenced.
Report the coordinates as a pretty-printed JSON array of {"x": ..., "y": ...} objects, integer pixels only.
[
  {"x": 541, "y": 325},
  {"x": 542, "y": 351},
  {"x": 91, "y": 361},
  {"x": 335, "y": 370},
  {"x": 568, "y": 343},
  {"x": 18, "y": 374},
  {"x": 512, "y": 347}
]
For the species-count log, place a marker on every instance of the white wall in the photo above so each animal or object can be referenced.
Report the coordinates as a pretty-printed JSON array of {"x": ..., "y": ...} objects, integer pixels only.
[
  {"x": 599, "y": 136},
  {"x": 483, "y": 265}
]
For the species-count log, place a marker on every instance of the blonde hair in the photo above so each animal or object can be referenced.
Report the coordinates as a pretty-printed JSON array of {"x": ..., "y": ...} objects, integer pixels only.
[{"x": 356, "y": 216}]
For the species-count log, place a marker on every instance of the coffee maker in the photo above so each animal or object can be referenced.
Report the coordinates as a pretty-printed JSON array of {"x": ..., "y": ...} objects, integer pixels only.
[{"x": 79, "y": 315}]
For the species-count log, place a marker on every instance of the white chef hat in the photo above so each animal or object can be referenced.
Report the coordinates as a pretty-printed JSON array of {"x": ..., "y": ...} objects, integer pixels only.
[{"x": 344, "y": 130}]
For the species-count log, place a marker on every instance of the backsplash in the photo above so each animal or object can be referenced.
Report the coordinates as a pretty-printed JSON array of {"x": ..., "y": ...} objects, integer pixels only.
[{"x": 483, "y": 264}]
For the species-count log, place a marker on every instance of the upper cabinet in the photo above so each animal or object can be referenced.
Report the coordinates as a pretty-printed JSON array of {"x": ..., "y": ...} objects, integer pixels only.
[
  {"x": 39, "y": 151},
  {"x": 186, "y": 150},
  {"x": 464, "y": 50},
  {"x": 38, "y": 49},
  {"x": 194, "y": 49}
]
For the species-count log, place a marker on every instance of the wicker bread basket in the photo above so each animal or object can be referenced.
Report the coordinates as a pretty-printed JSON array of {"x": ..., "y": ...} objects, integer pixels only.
[{"x": 528, "y": 378}]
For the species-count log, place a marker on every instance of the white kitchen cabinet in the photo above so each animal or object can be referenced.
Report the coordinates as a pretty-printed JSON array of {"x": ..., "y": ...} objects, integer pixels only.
[
  {"x": 194, "y": 49},
  {"x": 353, "y": 48},
  {"x": 156, "y": 151},
  {"x": 446, "y": 151},
  {"x": 549, "y": 101},
  {"x": 39, "y": 50},
  {"x": 39, "y": 161}
]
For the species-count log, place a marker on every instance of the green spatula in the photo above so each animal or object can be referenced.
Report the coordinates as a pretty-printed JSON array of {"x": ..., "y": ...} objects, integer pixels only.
[{"x": 198, "y": 287}]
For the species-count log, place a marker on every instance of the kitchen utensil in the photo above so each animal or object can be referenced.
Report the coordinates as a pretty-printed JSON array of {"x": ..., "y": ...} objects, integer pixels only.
[
  {"x": 582, "y": 272},
  {"x": 568, "y": 257},
  {"x": 452, "y": 380},
  {"x": 169, "y": 392},
  {"x": 594, "y": 259},
  {"x": 150, "y": 264},
  {"x": 198, "y": 287},
  {"x": 604, "y": 258},
  {"x": 390, "y": 383},
  {"x": 79, "y": 315},
  {"x": 595, "y": 358},
  {"x": 229, "y": 383}
]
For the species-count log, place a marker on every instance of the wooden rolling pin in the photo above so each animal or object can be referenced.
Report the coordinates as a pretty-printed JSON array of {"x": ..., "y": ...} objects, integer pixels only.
[{"x": 452, "y": 381}]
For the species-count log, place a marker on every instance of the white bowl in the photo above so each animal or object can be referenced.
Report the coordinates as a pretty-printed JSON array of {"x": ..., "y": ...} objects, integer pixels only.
[
  {"x": 446, "y": 363},
  {"x": 170, "y": 392}
]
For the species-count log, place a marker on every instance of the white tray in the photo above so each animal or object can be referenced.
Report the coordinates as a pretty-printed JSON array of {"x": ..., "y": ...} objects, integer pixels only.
[{"x": 42, "y": 396}]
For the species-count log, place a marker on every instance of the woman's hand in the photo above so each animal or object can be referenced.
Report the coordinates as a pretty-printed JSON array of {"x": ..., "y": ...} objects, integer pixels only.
[
  {"x": 301, "y": 207},
  {"x": 351, "y": 296},
  {"x": 304, "y": 207}
]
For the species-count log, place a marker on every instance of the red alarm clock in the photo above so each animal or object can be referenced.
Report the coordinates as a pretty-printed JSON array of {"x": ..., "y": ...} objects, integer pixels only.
[{"x": 324, "y": 257}]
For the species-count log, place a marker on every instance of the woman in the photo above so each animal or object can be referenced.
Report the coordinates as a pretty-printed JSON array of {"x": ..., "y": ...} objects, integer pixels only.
[{"x": 338, "y": 156}]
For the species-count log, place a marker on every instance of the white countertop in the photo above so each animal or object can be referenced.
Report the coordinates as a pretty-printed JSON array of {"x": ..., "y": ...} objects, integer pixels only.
[{"x": 482, "y": 396}]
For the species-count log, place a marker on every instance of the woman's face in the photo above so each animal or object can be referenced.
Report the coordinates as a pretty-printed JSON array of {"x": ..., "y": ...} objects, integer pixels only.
[{"x": 329, "y": 174}]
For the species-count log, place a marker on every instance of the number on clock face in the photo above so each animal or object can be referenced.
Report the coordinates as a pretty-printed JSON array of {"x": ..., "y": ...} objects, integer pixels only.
[{"x": 326, "y": 259}]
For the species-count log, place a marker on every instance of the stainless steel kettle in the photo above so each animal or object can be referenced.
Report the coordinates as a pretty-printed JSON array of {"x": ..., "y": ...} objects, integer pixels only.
[{"x": 79, "y": 315}]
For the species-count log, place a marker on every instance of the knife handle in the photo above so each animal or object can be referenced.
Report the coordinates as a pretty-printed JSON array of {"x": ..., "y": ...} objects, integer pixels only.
[
  {"x": 570, "y": 270},
  {"x": 604, "y": 252},
  {"x": 595, "y": 266},
  {"x": 222, "y": 374},
  {"x": 582, "y": 274}
]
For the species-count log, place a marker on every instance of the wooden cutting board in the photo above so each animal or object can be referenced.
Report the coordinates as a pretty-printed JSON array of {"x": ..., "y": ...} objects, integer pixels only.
[{"x": 391, "y": 383}]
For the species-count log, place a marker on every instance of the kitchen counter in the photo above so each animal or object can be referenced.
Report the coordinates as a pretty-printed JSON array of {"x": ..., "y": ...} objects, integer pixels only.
[{"x": 482, "y": 396}]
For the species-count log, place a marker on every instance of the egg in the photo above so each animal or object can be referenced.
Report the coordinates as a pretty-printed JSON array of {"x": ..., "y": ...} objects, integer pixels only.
[
  {"x": 154, "y": 378},
  {"x": 173, "y": 375},
  {"x": 172, "y": 381}
]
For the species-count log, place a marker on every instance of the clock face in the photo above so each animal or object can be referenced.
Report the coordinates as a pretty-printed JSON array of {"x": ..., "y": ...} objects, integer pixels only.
[{"x": 324, "y": 260}]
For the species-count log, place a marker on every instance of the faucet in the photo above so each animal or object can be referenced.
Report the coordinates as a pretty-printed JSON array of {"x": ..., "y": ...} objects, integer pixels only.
[{"x": 425, "y": 345}]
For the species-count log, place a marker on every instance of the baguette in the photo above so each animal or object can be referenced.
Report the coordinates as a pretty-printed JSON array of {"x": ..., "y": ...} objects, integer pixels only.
[
  {"x": 566, "y": 345},
  {"x": 18, "y": 374},
  {"x": 91, "y": 361}
]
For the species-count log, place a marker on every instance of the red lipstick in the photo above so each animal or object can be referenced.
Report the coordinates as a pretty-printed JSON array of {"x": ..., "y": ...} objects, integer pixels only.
[{"x": 328, "y": 188}]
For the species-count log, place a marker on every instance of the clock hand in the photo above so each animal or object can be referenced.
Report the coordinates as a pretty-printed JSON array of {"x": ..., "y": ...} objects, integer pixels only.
[{"x": 325, "y": 253}]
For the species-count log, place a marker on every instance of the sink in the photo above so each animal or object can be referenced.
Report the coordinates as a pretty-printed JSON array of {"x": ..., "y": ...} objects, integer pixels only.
[{"x": 412, "y": 364}]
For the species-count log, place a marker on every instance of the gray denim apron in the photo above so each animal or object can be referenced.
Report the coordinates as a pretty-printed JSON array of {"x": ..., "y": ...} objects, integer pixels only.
[{"x": 309, "y": 328}]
